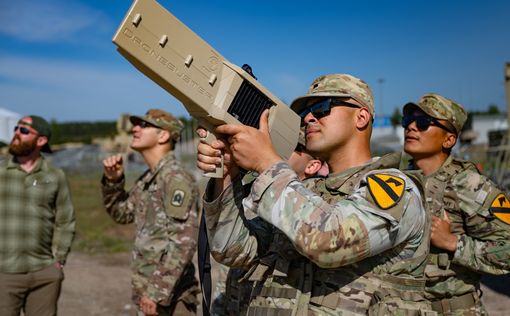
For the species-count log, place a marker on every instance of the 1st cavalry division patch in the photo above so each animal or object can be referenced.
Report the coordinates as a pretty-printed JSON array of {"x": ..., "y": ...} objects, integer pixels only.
[
  {"x": 386, "y": 190},
  {"x": 500, "y": 208}
]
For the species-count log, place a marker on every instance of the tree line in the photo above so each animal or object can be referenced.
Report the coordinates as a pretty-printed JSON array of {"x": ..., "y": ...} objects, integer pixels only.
[{"x": 85, "y": 132}]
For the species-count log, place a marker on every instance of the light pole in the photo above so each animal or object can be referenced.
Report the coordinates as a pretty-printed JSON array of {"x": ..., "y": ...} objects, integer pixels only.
[
  {"x": 507, "y": 86},
  {"x": 380, "y": 81}
]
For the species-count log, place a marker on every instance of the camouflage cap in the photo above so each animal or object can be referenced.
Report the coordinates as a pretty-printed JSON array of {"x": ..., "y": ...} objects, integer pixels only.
[
  {"x": 161, "y": 119},
  {"x": 337, "y": 85},
  {"x": 441, "y": 108},
  {"x": 301, "y": 144}
]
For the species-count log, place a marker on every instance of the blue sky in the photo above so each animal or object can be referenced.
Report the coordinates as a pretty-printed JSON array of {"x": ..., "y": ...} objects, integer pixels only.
[{"x": 57, "y": 59}]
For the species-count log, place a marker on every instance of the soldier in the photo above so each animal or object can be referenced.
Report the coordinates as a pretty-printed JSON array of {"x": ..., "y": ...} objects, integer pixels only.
[
  {"x": 353, "y": 243},
  {"x": 470, "y": 223},
  {"x": 164, "y": 205},
  {"x": 235, "y": 291}
]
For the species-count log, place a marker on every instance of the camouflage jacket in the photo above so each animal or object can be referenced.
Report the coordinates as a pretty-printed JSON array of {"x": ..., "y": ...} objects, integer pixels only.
[
  {"x": 478, "y": 212},
  {"x": 164, "y": 205},
  {"x": 335, "y": 241}
]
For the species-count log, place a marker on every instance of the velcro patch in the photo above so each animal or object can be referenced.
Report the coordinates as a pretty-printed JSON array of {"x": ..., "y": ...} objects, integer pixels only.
[
  {"x": 500, "y": 208},
  {"x": 386, "y": 190},
  {"x": 177, "y": 198}
]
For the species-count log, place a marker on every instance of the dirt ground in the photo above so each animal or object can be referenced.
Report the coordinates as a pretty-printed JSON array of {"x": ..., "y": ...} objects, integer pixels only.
[{"x": 100, "y": 285}]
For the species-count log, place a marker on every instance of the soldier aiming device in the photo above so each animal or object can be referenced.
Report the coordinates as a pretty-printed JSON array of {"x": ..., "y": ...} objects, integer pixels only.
[{"x": 213, "y": 90}]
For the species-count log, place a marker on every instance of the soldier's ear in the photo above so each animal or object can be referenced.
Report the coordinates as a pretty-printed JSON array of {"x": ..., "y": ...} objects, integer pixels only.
[
  {"x": 449, "y": 141},
  {"x": 163, "y": 136},
  {"x": 363, "y": 118},
  {"x": 312, "y": 167}
]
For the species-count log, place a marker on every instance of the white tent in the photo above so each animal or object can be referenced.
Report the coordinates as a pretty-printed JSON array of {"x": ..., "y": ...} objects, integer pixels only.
[{"x": 8, "y": 120}]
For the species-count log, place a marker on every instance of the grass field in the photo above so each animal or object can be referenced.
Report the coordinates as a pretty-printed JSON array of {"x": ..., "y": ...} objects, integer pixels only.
[{"x": 96, "y": 232}]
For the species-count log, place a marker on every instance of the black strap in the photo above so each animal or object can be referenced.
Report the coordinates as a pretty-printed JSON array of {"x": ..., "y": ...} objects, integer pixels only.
[
  {"x": 248, "y": 69},
  {"x": 204, "y": 266}
]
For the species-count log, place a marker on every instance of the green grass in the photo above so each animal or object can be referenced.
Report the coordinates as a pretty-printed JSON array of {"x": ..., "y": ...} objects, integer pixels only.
[{"x": 96, "y": 232}]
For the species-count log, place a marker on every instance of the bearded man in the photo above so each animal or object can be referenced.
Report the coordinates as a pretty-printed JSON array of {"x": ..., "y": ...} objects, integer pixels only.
[{"x": 37, "y": 223}]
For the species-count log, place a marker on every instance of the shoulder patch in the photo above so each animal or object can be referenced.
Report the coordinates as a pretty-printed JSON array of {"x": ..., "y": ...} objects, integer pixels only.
[
  {"x": 177, "y": 198},
  {"x": 500, "y": 207},
  {"x": 386, "y": 190}
]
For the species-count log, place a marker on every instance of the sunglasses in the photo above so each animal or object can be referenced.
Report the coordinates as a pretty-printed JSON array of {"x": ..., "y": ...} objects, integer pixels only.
[
  {"x": 423, "y": 122},
  {"x": 23, "y": 130},
  {"x": 144, "y": 124},
  {"x": 322, "y": 108}
]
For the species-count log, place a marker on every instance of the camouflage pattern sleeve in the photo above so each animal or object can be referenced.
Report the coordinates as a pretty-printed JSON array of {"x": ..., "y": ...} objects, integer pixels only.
[
  {"x": 347, "y": 231},
  {"x": 485, "y": 246},
  {"x": 234, "y": 241},
  {"x": 119, "y": 204},
  {"x": 180, "y": 202}
]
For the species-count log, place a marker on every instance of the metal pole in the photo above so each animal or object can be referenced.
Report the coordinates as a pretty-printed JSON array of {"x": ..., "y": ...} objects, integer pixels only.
[
  {"x": 381, "y": 103},
  {"x": 507, "y": 86}
]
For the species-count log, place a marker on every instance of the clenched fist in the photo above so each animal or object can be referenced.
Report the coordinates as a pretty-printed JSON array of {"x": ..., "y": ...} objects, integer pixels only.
[{"x": 113, "y": 167}]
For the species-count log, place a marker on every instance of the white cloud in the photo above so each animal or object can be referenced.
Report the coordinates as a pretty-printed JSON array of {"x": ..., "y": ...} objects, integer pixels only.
[{"x": 46, "y": 21}]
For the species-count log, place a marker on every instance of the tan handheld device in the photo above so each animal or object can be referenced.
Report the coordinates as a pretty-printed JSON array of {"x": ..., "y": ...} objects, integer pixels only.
[{"x": 213, "y": 90}]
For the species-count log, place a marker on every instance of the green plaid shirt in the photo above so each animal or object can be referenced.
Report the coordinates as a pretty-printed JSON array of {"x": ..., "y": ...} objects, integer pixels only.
[{"x": 36, "y": 217}]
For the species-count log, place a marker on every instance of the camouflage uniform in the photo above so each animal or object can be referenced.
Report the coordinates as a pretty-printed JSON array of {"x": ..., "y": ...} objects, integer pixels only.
[
  {"x": 219, "y": 300},
  {"x": 164, "y": 205},
  {"x": 353, "y": 243},
  {"x": 476, "y": 209},
  {"x": 234, "y": 289}
]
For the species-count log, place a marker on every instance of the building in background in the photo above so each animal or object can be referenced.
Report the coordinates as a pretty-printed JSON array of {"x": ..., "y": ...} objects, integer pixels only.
[{"x": 8, "y": 121}]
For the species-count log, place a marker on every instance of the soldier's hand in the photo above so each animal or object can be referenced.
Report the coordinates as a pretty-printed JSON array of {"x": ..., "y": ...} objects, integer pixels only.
[
  {"x": 148, "y": 306},
  {"x": 209, "y": 155},
  {"x": 251, "y": 148},
  {"x": 441, "y": 236},
  {"x": 113, "y": 167}
]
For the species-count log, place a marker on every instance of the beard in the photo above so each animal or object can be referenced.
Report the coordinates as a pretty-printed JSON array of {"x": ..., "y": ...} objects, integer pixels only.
[{"x": 21, "y": 148}]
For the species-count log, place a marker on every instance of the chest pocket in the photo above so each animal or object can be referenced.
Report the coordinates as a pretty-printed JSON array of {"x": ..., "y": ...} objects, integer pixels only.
[
  {"x": 155, "y": 215},
  {"x": 42, "y": 190}
]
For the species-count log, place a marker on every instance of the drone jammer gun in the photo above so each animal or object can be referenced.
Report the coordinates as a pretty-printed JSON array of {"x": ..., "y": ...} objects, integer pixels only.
[{"x": 213, "y": 90}]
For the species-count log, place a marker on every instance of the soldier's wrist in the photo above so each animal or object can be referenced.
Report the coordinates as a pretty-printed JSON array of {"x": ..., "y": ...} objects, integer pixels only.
[
  {"x": 112, "y": 180},
  {"x": 452, "y": 243}
]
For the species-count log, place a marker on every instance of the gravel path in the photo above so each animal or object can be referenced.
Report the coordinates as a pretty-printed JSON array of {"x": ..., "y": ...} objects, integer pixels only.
[{"x": 100, "y": 285}]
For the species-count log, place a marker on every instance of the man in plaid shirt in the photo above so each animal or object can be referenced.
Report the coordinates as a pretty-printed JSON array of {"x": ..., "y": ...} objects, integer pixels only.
[{"x": 37, "y": 223}]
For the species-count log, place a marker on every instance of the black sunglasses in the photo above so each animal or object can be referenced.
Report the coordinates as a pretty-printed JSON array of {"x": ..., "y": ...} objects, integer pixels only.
[
  {"x": 144, "y": 124},
  {"x": 23, "y": 130},
  {"x": 423, "y": 122},
  {"x": 322, "y": 108}
]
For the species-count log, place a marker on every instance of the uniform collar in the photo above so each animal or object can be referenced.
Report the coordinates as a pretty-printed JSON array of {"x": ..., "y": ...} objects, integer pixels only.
[
  {"x": 339, "y": 181},
  {"x": 447, "y": 162},
  {"x": 151, "y": 174}
]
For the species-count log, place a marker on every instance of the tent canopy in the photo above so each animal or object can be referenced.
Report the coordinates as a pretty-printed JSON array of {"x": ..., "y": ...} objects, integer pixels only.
[{"x": 8, "y": 120}]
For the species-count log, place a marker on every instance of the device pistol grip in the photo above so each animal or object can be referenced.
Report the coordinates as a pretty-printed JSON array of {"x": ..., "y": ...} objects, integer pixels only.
[{"x": 218, "y": 173}]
